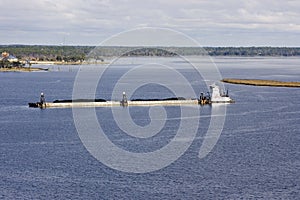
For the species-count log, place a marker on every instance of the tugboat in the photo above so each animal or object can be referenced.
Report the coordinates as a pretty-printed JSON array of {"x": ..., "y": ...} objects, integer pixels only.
[
  {"x": 215, "y": 97},
  {"x": 218, "y": 97}
]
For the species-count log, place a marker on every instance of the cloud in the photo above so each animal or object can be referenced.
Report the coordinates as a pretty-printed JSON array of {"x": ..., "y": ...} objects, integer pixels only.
[{"x": 91, "y": 21}]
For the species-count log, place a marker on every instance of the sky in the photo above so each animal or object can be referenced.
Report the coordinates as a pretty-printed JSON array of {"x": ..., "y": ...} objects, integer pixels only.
[{"x": 209, "y": 22}]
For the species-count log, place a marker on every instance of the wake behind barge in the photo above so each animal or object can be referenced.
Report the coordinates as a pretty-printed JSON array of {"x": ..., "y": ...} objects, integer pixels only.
[{"x": 215, "y": 97}]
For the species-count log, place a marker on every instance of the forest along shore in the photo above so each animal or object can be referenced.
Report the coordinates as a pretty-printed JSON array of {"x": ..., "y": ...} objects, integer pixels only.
[
  {"x": 259, "y": 82},
  {"x": 79, "y": 53}
]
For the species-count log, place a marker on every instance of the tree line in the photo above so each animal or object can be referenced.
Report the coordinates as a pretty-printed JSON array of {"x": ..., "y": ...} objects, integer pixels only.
[{"x": 80, "y": 53}]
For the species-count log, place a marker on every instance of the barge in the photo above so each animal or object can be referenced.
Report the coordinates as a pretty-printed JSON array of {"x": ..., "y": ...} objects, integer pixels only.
[{"x": 215, "y": 97}]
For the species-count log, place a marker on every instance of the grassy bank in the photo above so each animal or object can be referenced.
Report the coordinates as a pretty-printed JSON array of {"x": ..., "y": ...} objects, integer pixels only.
[
  {"x": 21, "y": 69},
  {"x": 258, "y": 82}
]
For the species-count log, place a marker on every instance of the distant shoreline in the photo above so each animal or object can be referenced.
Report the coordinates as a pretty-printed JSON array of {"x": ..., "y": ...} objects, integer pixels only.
[
  {"x": 77, "y": 54},
  {"x": 259, "y": 82}
]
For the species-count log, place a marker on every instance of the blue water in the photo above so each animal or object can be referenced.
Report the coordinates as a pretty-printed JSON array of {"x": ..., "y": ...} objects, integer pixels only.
[{"x": 256, "y": 156}]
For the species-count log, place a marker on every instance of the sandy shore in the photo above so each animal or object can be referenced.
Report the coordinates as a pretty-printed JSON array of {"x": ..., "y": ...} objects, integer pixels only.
[
  {"x": 22, "y": 69},
  {"x": 258, "y": 82},
  {"x": 63, "y": 63}
]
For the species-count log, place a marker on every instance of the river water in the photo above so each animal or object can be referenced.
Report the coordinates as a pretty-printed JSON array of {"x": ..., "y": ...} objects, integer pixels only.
[{"x": 256, "y": 156}]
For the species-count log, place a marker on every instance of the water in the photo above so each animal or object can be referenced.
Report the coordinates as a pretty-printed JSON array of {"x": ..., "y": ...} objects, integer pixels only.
[{"x": 256, "y": 156}]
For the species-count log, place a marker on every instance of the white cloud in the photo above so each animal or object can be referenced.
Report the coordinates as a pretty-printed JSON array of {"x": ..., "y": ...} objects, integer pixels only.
[{"x": 90, "y": 21}]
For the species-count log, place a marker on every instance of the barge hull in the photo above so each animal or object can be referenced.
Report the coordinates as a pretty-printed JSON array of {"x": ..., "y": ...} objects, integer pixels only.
[{"x": 114, "y": 103}]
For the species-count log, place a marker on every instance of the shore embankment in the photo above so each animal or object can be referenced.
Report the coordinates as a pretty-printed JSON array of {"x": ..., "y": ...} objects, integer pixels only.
[
  {"x": 21, "y": 69},
  {"x": 62, "y": 62},
  {"x": 260, "y": 82}
]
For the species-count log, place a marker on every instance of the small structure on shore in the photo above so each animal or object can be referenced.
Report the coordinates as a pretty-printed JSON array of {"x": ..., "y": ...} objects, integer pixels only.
[{"x": 8, "y": 61}]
